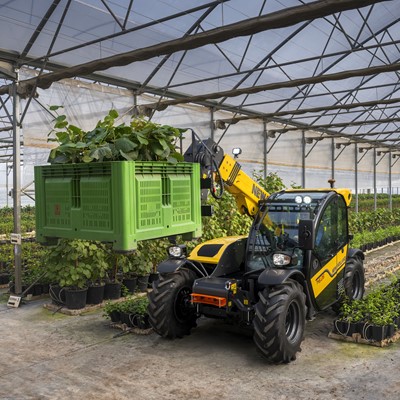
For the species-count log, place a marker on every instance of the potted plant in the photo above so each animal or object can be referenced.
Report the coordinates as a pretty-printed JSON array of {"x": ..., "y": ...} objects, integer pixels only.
[
  {"x": 133, "y": 312},
  {"x": 129, "y": 277},
  {"x": 100, "y": 267},
  {"x": 112, "y": 288},
  {"x": 70, "y": 264},
  {"x": 150, "y": 253},
  {"x": 112, "y": 311}
]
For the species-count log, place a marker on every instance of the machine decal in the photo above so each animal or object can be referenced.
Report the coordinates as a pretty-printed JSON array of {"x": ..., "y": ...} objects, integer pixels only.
[{"x": 329, "y": 272}]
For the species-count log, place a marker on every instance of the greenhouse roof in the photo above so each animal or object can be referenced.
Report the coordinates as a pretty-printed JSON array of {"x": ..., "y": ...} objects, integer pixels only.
[{"x": 330, "y": 66}]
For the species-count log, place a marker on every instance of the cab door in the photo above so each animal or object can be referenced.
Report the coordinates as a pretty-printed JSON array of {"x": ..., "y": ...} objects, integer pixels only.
[{"x": 330, "y": 251}]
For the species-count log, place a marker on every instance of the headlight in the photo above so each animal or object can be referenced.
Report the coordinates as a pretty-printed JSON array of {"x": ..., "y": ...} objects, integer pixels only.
[
  {"x": 177, "y": 251},
  {"x": 281, "y": 259}
]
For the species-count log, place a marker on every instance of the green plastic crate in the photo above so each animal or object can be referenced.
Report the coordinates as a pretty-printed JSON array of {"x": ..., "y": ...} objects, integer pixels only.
[{"x": 121, "y": 202}]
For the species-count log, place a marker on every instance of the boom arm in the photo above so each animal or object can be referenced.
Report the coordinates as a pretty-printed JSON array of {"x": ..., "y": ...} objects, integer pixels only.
[{"x": 213, "y": 161}]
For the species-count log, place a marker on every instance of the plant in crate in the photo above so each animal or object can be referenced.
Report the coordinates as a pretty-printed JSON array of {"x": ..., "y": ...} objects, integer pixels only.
[{"x": 141, "y": 140}]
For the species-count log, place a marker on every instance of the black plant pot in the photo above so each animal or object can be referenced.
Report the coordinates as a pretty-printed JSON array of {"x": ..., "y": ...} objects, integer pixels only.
[
  {"x": 142, "y": 283},
  {"x": 390, "y": 330},
  {"x": 75, "y": 299},
  {"x": 95, "y": 294},
  {"x": 154, "y": 276},
  {"x": 140, "y": 321},
  {"x": 125, "y": 319},
  {"x": 115, "y": 316},
  {"x": 45, "y": 288},
  {"x": 375, "y": 333},
  {"x": 112, "y": 291},
  {"x": 57, "y": 294},
  {"x": 130, "y": 284},
  {"x": 4, "y": 278},
  {"x": 341, "y": 327},
  {"x": 37, "y": 289}
]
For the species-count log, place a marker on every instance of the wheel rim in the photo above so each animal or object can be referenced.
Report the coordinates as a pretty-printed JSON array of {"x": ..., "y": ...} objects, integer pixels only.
[
  {"x": 356, "y": 285},
  {"x": 183, "y": 306},
  {"x": 292, "y": 322}
]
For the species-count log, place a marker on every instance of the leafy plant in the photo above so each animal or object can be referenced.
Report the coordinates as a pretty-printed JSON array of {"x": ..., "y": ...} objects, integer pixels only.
[
  {"x": 72, "y": 263},
  {"x": 141, "y": 140},
  {"x": 379, "y": 307}
]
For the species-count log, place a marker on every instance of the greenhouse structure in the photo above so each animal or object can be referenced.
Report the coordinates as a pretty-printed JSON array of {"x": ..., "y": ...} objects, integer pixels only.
[{"x": 308, "y": 90}]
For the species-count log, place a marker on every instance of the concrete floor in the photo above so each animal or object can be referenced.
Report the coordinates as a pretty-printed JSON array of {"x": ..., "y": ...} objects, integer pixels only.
[{"x": 53, "y": 356}]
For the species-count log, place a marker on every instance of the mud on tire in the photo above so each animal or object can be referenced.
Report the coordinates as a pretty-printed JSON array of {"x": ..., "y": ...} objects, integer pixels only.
[
  {"x": 279, "y": 322},
  {"x": 170, "y": 312}
]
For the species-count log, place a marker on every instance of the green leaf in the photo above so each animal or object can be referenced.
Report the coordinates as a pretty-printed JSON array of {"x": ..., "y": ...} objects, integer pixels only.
[
  {"x": 131, "y": 156},
  {"x": 172, "y": 160},
  {"x": 55, "y": 108},
  {"x": 113, "y": 114},
  {"x": 125, "y": 145},
  {"x": 61, "y": 124},
  {"x": 87, "y": 159},
  {"x": 101, "y": 152},
  {"x": 62, "y": 136},
  {"x": 61, "y": 159},
  {"x": 141, "y": 139},
  {"x": 75, "y": 130}
]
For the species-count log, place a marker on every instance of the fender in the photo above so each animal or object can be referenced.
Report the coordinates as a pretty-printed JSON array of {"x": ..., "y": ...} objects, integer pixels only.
[
  {"x": 355, "y": 253},
  {"x": 272, "y": 277},
  {"x": 172, "y": 265}
]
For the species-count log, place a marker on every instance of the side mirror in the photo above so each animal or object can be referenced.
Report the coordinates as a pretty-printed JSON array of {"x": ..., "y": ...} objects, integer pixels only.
[{"x": 306, "y": 234}]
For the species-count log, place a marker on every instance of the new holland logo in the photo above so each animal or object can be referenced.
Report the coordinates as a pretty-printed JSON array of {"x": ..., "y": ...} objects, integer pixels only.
[{"x": 258, "y": 192}]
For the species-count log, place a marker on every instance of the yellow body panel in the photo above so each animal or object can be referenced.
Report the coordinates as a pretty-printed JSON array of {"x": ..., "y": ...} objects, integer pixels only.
[
  {"x": 225, "y": 241},
  {"x": 246, "y": 191},
  {"x": 329, "y": 272},
  {"x": 346, "y": 193}
]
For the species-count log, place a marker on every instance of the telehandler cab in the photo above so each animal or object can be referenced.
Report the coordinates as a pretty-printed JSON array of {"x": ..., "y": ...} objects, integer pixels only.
[{"x": 295, "y": 262}]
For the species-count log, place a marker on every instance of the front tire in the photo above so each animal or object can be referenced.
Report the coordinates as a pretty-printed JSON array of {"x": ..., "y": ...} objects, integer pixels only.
[
  {"x": 171, "y": 313},
  {"x": 279, "y": 322}
]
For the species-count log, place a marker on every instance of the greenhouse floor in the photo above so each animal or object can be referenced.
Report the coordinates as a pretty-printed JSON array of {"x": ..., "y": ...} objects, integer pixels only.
[{"x": 54, "y": 356}]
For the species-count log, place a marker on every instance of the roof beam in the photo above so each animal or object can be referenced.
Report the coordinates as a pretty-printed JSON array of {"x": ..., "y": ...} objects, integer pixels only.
[
  {"x": 312, "y": 110},
  {"x": 40, "y": 27},
  {"x": 339, "y": 125},
  {"x": 280, "y": 85},
  {"x": 280, "y": 19}
]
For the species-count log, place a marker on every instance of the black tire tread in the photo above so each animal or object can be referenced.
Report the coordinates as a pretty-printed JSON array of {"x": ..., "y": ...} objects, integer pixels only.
[
  {"x": 269, "y": 334},
  {"x": 161, "y": 304}
]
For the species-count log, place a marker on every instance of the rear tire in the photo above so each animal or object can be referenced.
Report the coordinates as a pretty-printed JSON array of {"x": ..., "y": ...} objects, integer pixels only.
[
  {"x": 353, "y": 282},
  {"x": 279, "y": 321},
  {"x": 171, "y": 313},
  {"x": 354, "y": 279}
]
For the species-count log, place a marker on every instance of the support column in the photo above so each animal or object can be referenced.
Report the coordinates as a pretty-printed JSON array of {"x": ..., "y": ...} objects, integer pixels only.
[
  {"x": 332, "y": 158},
  {"x": 303, "y": 159},
  {"x": 375, "y": 194},
  {"x": 356, "y": 174},
  {"x": 16, "y": 190},
  {"x": 7, "y": 190},
  {"x": 390, "y": 182},
  {"x": 212, "y": 127},
  {"x": 265, "y": 136}
]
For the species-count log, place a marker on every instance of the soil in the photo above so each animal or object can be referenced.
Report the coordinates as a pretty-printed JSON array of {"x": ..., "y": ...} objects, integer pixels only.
[{"x": 47, "y": 355}]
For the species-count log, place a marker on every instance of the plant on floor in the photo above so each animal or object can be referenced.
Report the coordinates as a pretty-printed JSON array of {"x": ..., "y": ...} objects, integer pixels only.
[{"x": 71, "y": 263}]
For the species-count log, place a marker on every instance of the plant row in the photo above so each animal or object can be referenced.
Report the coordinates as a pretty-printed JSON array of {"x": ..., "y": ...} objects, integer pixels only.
[
  {"x": 375, "y": 317},
  {"x": 366, "y": 202},
  {"x": 132, "y": 312}
]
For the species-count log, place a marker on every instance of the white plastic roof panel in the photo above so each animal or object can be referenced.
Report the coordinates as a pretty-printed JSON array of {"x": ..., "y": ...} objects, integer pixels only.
[{"x": 290, "y": 56}]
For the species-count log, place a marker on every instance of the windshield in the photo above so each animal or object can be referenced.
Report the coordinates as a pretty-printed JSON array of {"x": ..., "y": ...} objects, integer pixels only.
[{"x": 277, "y": 224}]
